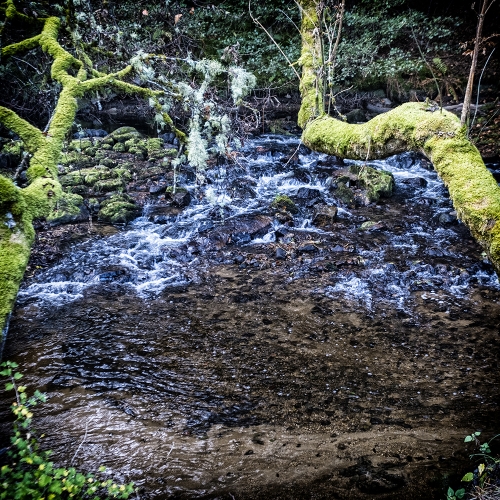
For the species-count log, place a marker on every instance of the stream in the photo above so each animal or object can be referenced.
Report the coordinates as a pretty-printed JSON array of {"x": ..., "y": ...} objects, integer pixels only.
[{"x": 227, "y": 351}]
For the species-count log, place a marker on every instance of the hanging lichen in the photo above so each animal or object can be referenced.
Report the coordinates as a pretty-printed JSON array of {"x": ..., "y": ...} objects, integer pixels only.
[{"x": 18, "y": 207}]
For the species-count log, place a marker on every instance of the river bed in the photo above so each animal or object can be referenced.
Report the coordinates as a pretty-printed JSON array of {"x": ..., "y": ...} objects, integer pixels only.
[{"x": 281, "y": 361}]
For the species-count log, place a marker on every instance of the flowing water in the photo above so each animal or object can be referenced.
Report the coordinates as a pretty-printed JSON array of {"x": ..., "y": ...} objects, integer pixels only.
[{"x": 184, "y": 353}]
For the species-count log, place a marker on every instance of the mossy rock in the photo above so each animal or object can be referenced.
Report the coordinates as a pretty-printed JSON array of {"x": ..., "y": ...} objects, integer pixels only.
[
  {"x": 376, "y": 182},
  {"x": 124, "y": 134},
  {"x": 122, "y": 173},
  {"x": 119, "y": 209},
  {"x": 100, "y": 155},
  {"x": 135, "y": 141},
  {"x": 107, "y": 141},
  {"x": 92, "y": 151},
  {"x": 106, "y": 147},
  {"x": 69, "y": 209},
  {"x": 119, "y": 147},
  {"x": 282, "y": 201},
  {"x": 75, "y": 159},
  {"x": 172, "y": 152},
  {"x": 109, "y": 185},
  {"x": 79, "y": 145},
  {"x": 156, "y": 155},
  {"x": 88, "y": 176},
  {"x": 154, "y": 144},
  {"x": 344, "y": 194},
  {"x": 138, "y": 152}
]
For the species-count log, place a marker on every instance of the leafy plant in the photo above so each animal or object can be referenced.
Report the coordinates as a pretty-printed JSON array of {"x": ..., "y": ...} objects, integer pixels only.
[
  {"x": 485, "y": 477},
  {"x": 30, "y": 474}
]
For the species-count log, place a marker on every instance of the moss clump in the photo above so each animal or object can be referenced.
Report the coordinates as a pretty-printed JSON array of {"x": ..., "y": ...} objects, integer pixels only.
[
  {"x": 119, "y": 209},
  {"x": 109, "y": 185},
  {"x": 124, "y": 134},
  {"x": 283, "y": 202},
  {"x": 75, "y": 159},
  {"x": 106, "y": 147},
  {"x": 376, "y": 182},
  {"x": 154, "y": 144},
  {"x": 119, "y": 147},
  {"x": 80, "y": 145},
  {"x": 13, "y": 148},
  {"x": 69, "y": 208},
  {"x": 344, "y": 194}
]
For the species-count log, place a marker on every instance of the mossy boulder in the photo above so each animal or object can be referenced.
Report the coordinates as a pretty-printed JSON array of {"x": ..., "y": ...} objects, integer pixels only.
[
  {"x": 124, "y": 134},
  {"x": 68, "y": 209},
  {"x": 80, "y": 145},
  {"x": 283, "y": 202},
  {"x": 377, "y": 183},
  {"x": 76, "y": 159},
  {"x": 88, "y": 176},
  {"x": 118, "y": 209},
  {"x": 108, "y": 185},
  {"x": 154, "y": 144},
  {"x": 119, "y": 147}
]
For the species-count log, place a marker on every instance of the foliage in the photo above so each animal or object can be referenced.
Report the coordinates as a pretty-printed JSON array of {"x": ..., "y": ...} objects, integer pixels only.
[
  {"x": 375, "y": 48},
  {"x": 30, "y": 474}
]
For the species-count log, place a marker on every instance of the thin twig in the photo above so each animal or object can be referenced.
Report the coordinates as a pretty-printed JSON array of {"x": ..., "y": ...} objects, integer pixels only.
[
  {"x": 479, "y": 88},
  {"x": 258, "y": 23},
  {"x": 83, "y": 440}
]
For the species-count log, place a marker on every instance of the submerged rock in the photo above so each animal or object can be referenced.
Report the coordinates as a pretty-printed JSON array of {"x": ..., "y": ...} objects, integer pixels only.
[{"x": 240, "y": 229}]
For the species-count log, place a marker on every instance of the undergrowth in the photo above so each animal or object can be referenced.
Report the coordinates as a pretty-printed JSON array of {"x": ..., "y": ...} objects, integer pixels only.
[{"x": 29, "y": 474}]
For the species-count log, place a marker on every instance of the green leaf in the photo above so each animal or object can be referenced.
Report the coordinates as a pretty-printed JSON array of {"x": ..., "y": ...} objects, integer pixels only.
[
  {"x": 18, "y": 376},
  {"x": 460, "y": 493},
  {"x": 468, "y": 477},
  {"x": 468, "y": 439},
  {"x": 450, "y": 492},
  {"x": 9, "y": 386}
]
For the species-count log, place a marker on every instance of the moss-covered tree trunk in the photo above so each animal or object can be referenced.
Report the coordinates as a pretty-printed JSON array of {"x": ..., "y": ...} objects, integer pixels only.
[
  {"x": 410, "y": 127},
  {"x": 18, "y": 207}
]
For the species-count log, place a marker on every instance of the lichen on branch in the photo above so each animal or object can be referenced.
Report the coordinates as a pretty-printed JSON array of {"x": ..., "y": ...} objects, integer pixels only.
[{"x": 18, "y": 207}]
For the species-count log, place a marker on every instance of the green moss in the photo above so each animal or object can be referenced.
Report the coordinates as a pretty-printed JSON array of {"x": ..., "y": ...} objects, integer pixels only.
[
  {"x": 67, "y": 209},
  {"x": 76, "y": 160},
  {"x": 118, "y": 209},
  {"x": 119, "y": 147},
  {"x": 106, "y": 147},
  {"x": 283, "y": 202},
  {"x": 344, "y": 194},
  {"x": 154, "y": 144},
  {"x": 106, "y": 186},
  {"x": 14, "y": 148},
  {"x": 80, "y": 145},
  {"x": 376, "y": 182},
  {"x": 311, "y": 86},
  {"x": 124, "y": 134},
  {"x": 473, "y": 190}
]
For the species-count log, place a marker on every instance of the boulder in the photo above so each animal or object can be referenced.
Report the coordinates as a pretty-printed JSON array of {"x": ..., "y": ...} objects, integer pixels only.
[{"x": 324, "y": 215}]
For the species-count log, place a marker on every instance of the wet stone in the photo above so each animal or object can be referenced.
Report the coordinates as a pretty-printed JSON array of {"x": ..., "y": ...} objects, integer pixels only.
[
  {"x": 324, "y": 215},
  {"x": 280, "y": 254}
]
